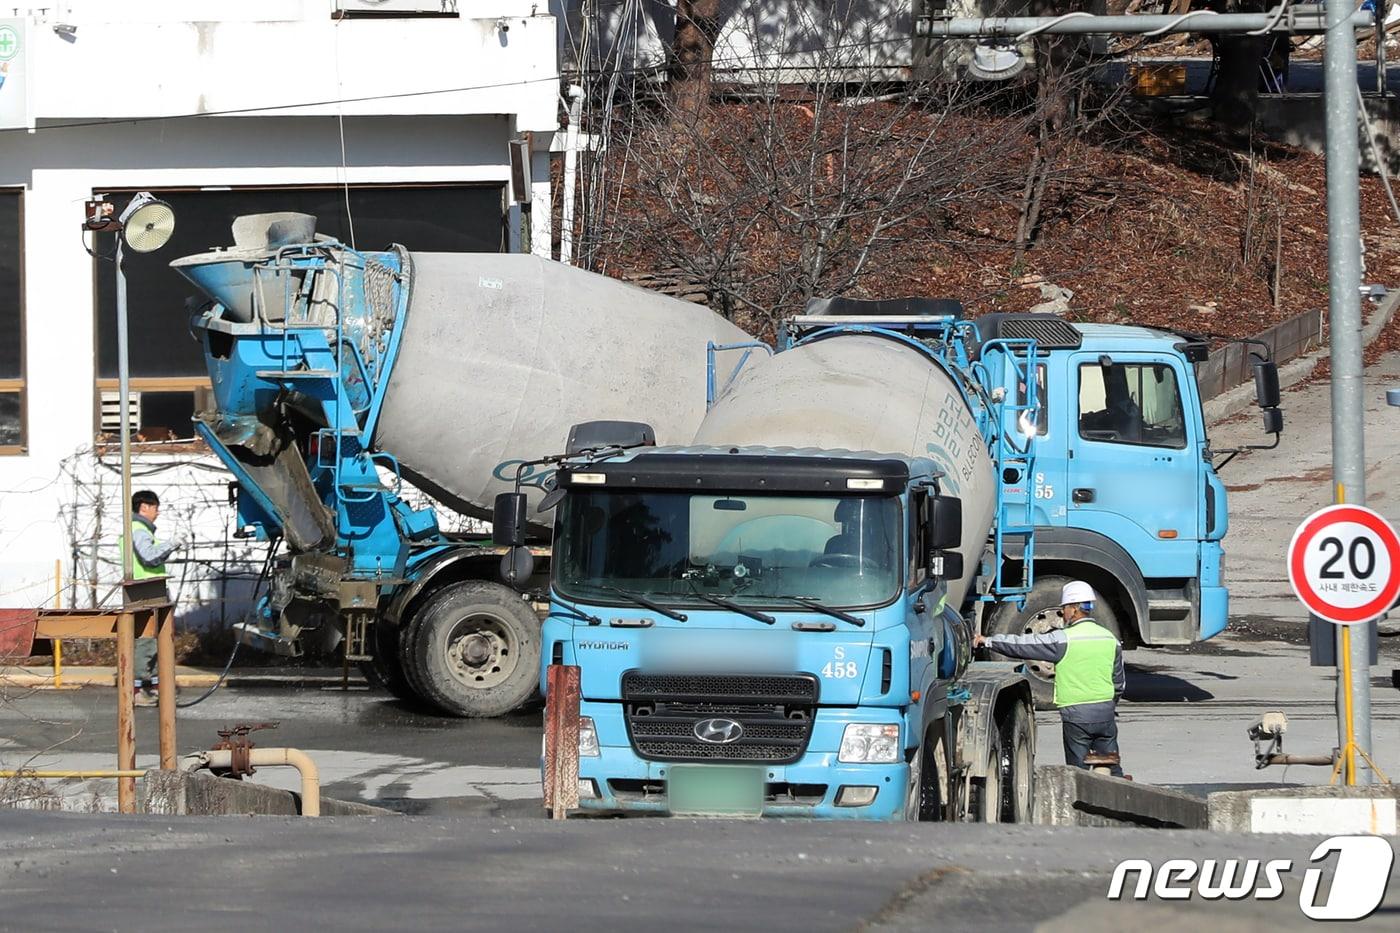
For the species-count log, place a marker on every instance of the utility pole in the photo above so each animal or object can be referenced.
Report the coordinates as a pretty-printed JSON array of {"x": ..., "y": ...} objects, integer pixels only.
[{"x": 1344, "y": 314}]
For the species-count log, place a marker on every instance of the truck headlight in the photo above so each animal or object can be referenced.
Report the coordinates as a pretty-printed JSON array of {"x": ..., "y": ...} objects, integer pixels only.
[
  {"x": 587, "y": 738},
  {"x": 869, "y": 743}
]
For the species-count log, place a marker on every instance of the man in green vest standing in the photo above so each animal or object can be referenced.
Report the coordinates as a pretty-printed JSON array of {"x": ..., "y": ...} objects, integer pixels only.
[
  {"x": 1088, "y": 673},
  {"x": 147, "y": 560}
]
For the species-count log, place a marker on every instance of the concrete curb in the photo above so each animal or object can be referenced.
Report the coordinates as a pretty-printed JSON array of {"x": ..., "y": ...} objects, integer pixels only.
[
  {"x": 179, "y": 793},
  {"x": 1070, "y": 797},
  {"x": 1233, "y": 401},
  {"x": 1324, "y": 810}
]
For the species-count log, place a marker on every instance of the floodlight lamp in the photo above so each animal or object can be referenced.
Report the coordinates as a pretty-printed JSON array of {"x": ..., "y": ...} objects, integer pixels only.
[
  {"x": 995, "y": 62},
  {"x": 147, "y": 223}
]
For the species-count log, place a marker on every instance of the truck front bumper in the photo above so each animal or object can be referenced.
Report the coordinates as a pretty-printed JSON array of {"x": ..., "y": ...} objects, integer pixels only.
[{"x": 618, "y": 780}]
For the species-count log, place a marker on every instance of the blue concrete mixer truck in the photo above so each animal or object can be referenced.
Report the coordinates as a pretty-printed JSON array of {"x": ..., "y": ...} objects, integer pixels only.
[
  {"x": 777, "y": 617},
  {"x": 336, "y": 374}
]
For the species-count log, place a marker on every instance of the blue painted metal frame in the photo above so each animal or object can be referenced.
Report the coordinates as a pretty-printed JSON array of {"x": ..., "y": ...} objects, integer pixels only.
[
  {"x": 711, "y": 348},
  {"x": 298, "y": 349}
]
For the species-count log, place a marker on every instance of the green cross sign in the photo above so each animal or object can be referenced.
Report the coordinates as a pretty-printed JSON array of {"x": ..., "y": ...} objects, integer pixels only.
[{"x": 9, "y": 43}]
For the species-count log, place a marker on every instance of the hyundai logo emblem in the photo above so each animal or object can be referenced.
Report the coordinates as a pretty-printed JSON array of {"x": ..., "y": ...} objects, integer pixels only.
[{"x": 718, "y": 731}]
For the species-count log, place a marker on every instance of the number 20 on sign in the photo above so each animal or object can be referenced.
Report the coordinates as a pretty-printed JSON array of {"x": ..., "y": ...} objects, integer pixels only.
[{"x": 1344, "y": 564}]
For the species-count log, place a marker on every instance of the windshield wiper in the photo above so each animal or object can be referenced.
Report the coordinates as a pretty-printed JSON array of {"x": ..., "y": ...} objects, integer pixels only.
[
  {"x": 812, "y": 604},
  {"x": 578, "y": 613},
  {"x": 763, "y": 617},
  {"x": 646, "y": 603}
]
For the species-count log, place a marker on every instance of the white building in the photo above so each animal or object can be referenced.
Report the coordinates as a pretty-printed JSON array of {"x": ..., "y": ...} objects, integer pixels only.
[{"x": 389, "y": 119}]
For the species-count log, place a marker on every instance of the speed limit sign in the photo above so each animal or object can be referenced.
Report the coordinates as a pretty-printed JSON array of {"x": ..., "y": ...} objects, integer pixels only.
[{"x": 1344, "y": 564}]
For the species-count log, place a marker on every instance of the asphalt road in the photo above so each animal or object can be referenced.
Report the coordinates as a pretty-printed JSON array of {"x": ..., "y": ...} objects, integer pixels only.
[{"x": 67, "y": 872}]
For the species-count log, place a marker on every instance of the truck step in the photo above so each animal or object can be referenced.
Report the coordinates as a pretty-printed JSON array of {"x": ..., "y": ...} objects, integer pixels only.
[
  {"x": 1168, "y": 610},
  {"x": 280, "y": 374}
]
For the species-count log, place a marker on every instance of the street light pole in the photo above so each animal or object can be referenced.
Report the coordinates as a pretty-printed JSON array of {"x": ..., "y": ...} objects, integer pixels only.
[
  {"x": 124, "y": 392},
  {"x": 1344, "y": 316}
]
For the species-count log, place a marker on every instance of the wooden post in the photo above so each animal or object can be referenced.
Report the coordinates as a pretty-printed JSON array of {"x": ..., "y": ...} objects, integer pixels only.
[
  {"x": 165, "y": 668},
  {"x": 58, "y": 642},
  {"x": 126, "y": 709},
  {"x": 561, "y": 725}
]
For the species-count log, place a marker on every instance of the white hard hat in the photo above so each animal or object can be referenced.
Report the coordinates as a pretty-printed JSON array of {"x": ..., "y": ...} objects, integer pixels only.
[{"x": 1076, "y": 592}]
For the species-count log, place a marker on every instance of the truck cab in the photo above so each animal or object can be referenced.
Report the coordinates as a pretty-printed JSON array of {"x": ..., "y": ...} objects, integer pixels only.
[
  {"x": 1123, "y": 493},
  {"x": 764, "y": 631}
]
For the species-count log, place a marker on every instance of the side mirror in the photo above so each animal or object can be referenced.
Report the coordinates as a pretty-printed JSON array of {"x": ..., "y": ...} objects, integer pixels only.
[
  {"x": 944, "y": 522},
  {"x": 1266, "y": 391},
  {"x": 508, "y": 520},
  {"x": 517, "y": 565},
  {"x": 1273, "y": 421}
]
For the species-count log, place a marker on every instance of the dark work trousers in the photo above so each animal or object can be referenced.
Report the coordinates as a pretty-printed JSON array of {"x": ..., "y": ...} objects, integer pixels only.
[{"x": 1081, "y": 738}]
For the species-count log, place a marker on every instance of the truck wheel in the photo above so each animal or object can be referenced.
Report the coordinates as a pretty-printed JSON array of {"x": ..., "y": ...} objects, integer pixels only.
[
  {"x": 1018, "y": 765},
  {"x": 1042, "y": 614},
  {"x": 984, "y": 801},
  {"x": 923, "y": 801},
  {"x": 385, "y": 669},
  {"x": 473, "y": 649}
]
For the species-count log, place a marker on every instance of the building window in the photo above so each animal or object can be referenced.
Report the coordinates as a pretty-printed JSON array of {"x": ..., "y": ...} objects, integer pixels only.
[
  {"x": 169, "y": 382},
  {"x": 12, "y": 397}
]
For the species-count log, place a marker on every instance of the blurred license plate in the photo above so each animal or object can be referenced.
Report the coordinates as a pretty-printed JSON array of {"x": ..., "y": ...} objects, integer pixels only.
[{"x": 715, "y": 790}]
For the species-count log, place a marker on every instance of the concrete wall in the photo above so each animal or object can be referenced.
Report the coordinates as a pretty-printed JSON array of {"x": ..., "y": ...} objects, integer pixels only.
[
  {"x": 178, "y": 793},
  {"x": 424, "y": 101},
  {"x": 1301, "y": 120}
]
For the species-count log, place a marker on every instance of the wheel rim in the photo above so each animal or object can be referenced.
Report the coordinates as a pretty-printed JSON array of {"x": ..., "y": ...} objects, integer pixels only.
[
  {"x": 1046, "y": 620},
  {"x": 481, "y": 651},
  {"x": 991, "y": 789},
  {"x": 1021, "y": 776}
]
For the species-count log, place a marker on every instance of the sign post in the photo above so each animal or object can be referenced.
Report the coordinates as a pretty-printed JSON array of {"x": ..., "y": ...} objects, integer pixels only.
[{"x": 1344, "y": 566}]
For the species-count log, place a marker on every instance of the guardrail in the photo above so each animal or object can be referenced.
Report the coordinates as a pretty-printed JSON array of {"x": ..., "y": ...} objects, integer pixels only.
[{"x": 1230, "y": 365}]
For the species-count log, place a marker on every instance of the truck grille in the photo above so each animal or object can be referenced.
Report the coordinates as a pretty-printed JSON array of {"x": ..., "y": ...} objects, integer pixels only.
[{"x": 774, "y": 712}]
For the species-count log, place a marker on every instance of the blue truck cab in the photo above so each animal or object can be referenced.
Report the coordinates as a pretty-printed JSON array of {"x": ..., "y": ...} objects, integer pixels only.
[
  {"x": 765, "y": 632},
  {"x": 1124, "y": 493}
]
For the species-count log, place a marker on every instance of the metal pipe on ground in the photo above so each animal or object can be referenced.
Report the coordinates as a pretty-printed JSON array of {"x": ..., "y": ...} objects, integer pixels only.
[{"x": 273, "y": 757}]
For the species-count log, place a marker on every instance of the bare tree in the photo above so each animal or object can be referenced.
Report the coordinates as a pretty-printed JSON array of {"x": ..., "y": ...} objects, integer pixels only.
[
  {"x": 814, "y": 173},
  {"x": 697, "y": 27}
]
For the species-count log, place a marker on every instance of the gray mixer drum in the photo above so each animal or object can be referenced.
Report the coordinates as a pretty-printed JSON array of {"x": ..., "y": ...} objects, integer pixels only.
[
  {"x": 865, "y": 393},
  {"x": 503, "y": 353}
]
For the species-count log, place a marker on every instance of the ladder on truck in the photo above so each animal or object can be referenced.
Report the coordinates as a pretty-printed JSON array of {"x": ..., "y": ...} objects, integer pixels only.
[
  {"x": 319, "y": 358},
  {"x": 1012, "y": 444},
  {"x": 318, "y": 355}
]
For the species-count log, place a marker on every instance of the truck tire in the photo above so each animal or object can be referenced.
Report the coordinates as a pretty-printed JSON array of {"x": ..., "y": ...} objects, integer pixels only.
[
  {"x": 385, "y": 669},
  {"x": 927, "y": 790},
  {"x": 1018, "y": 765},
  {"x": 1041, "y": 614},
  {"x": 984, "y": 797},
  {"x": 472, "y": 649}
]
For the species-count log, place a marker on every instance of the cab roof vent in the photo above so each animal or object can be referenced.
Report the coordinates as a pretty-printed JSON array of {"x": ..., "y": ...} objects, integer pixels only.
[{"x": 1047, "y": 330}]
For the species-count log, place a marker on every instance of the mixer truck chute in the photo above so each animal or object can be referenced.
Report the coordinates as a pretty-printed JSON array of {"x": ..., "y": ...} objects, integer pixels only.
[{"x": 338, "y": 374}]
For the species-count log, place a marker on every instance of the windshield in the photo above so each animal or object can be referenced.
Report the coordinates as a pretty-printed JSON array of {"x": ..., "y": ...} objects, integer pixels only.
[{"x": 756, "y": 549}]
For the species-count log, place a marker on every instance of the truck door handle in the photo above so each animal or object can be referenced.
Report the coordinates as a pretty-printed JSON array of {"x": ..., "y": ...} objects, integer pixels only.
[{"x": 1083, "y": 495}]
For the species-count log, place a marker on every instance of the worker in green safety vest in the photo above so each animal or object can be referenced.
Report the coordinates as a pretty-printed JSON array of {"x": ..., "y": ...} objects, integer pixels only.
[
  {"x": 148, "y": 557},
  {"x": 1088, "y": 673}
]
